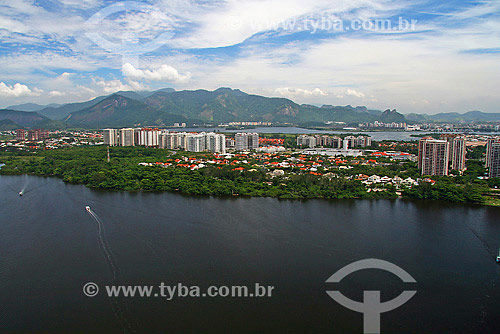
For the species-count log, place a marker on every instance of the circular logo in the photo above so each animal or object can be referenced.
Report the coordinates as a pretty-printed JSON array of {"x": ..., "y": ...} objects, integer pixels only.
[
  {"x": 131, "y": 46},
  {"x": 90, "y": 289},
  {"x": 371, "y": 307}
]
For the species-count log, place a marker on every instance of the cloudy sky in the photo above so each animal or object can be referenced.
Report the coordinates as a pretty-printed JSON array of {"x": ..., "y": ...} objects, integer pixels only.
[{"x": 423, "y": 56}]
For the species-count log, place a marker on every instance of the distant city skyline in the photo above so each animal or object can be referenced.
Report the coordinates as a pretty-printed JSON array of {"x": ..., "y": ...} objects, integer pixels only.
[{"x": 421, "y": 56}]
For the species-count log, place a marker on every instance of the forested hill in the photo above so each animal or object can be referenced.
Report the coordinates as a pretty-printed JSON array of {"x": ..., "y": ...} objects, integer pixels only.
[{"x": 214, "y": 107}]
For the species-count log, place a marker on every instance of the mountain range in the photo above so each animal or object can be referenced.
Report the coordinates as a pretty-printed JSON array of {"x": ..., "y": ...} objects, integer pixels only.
[
  {"x": 167, "y": 106},
  {"x": 454, "y": 117}
]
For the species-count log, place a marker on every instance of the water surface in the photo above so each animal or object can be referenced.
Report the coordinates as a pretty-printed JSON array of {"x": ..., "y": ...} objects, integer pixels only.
[{"x": 49, "y": 248}]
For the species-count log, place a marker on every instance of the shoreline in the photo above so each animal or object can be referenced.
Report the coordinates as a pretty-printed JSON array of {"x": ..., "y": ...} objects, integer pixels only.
[
  {"x": 237, "y": 196},
  {"x": 144, "y": 169}
]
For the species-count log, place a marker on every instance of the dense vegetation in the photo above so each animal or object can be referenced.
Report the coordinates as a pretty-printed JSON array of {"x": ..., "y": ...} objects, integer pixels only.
[
  {"x": 446, "y": 192},
  {"x": 470, "y": 187},
  {"x": 88, "y": 166}
]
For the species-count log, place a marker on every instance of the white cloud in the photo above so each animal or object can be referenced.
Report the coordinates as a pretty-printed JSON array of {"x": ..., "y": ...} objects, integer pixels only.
[
  {"x": 163, "y": 73},
  {"x": 427, "y": 65},
  {"x": 56, "y": 93},
  {"x": 484, "y": 8},
  {"x": 80, "y": 3},
  {"x": 351, "y": 92},
  {"x": 27, "y": 62},
  {"x": 230, "y": 22},
  {"x": 294, "y": 92},
  {"x": 113, "y": 86},
  {"x": 18, "y": 90},
  {"x": 420, "y": 68}
]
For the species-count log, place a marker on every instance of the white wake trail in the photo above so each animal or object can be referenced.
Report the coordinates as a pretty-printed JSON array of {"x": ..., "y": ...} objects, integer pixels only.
[
  {"x": 110, "y": 259},
  {"x": 103, "y": 241}
]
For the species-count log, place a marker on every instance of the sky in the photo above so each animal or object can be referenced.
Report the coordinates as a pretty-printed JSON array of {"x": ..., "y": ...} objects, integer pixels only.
[{"x": 416, "y": 56}]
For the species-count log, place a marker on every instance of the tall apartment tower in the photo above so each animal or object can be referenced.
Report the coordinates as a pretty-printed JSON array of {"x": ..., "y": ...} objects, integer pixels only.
[
  {"x": 324, "y": 141},
  {"x": 491, "y": 141},
  {"x": 433, "y": 156},
  {"x": 345, "y": 144},
  {"x": 32, "y": 135},
  {"x": 458, "y": 152},
  {"x": 246, "y": 141},
  {"x": 21, "y": 135},
  {"x": 216, "y": 142},
  {"x": 173, "y": 140},
  {"x": 163, "y": 142},
  {"x": 196, "y": 143},
  {"x": 149, "y": 137},
  {"x": 307, "y": 141},
  {"x": 351, "y": 140},
  {"x": 449, "y": 137},
  {"x": 110, "y": 137},
  {"x": 336, "y": 142},
  {"x": 127, "y": 137},
  {"x": 43, "y": 134},
  {"x": 493, "y": 157},
  {"x": 137, "y": 136}
]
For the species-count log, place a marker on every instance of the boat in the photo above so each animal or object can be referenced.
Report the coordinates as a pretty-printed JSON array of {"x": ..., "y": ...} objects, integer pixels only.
[
  {"x": 87, "y": 208},
  {"x": 498, "y": 257}
]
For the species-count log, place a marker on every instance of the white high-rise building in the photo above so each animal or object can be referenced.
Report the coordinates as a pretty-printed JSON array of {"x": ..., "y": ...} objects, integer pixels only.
[
  {"x": 489, "y": 146},
  {"x": 196, "y": 142},
  {"x": 458, "y": 152},
  {"x": 345, "y": 144},
  {"x": 127, "y": 137},
  {"x": 433, "y": 156},
  {"x": 493, "y": 157},
  {"x": 110, "y": 137},
  {"x": 361, "y": 141},
  {"x": 306, "y": 141},
  {"x": 246, "y": 141},
  {"x": 216, "y": 143},
  {"x": 336, "y": 142},
  {"x": 175, "y": 140},
  {"x": 149, "y": 137},
  {"x": 164, "y": 140},
  {"x": 142, "y": 137},
  {"x": 193, "y": 142}
]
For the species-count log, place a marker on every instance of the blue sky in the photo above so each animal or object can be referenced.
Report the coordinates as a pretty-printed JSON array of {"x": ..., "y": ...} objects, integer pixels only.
[{"x": 414, "y": 55}]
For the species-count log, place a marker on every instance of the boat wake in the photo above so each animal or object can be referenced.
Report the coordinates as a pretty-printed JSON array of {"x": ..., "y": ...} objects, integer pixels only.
[
  {"x": 24, "y": 191},
  {"x": 485, "y": 244},
  {"x": 104, "y": 245},
  {"x": 119, "y": 310},
  {"x": 26, "y": 183}
]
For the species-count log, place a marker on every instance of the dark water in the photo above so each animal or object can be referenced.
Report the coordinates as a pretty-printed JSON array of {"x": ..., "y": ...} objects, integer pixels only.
[{"x": 49, "y": 248}]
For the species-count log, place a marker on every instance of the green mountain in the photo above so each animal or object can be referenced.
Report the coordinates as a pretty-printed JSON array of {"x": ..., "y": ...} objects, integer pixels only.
[
  {"x": 8, "y": 125},
  {"x": 120, "y": 111},
  {"x": 223, "y": 105},
  {"x": 29, "y": 107},
  {"x": 390, "y": 116},
  {"x": 226, "y": 105},
  {"x": 454, "y": 117},
  {"x": 419, "y": 118},
  {"x": 167, "y": 106},
  {"x": 471, "y": 116},
  {"x": 24, "y": 118},
  {"x": 59, "y": 113}
]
